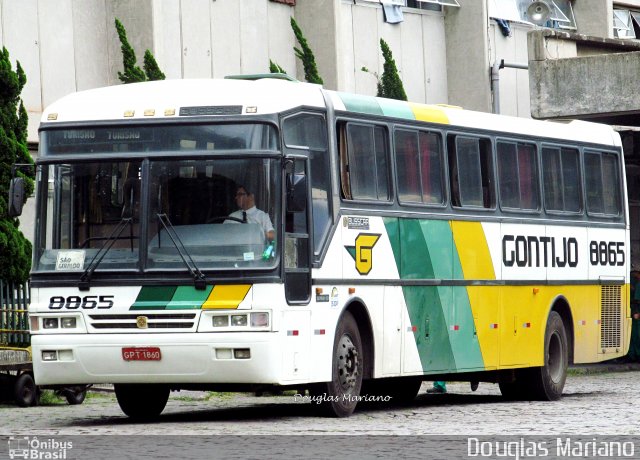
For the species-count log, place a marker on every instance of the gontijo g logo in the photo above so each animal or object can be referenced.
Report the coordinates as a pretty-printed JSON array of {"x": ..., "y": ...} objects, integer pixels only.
[{"x": 362, "y": 252}]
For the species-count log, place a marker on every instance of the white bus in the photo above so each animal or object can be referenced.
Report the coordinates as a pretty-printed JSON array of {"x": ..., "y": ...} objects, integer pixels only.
[{"x": 410, "y": 243}]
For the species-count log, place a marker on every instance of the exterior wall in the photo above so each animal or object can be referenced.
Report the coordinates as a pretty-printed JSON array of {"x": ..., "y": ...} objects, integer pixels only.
[
  {"x": 417, "y": 44},
  {"x": 468, "y": 61}
]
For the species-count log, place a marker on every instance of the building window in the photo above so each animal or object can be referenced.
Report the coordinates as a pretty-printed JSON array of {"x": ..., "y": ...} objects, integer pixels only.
[
  {"x": 560, "y": 12},
  {"x": 626, "y": 23}
]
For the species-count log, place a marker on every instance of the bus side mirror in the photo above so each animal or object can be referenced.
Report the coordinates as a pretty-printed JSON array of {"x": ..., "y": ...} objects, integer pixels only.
[
  {"x": 16, "y": 196},
  {"x": 296, "y": 192}
]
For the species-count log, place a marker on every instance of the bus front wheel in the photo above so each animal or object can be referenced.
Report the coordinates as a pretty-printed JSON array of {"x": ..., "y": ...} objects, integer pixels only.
[
  {"x": 547, "y": 382},
  {"x": 142, "y": 402},
  {"x": 339, "y": 397}
]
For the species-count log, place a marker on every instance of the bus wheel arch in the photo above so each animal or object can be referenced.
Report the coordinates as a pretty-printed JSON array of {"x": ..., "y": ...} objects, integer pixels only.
[
  {"x": 363, "y": 320},
  {"x": 562, "y": 307}
]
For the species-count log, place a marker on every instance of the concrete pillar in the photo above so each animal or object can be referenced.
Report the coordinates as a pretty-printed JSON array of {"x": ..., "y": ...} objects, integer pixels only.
[{"x": 468, "y": 55}]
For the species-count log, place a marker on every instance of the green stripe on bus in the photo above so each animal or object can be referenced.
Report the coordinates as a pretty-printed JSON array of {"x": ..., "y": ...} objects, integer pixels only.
[
  {"x": 445, "y": 337},
  {"x": 397, "y": 109},
  {"x": 189, "y": 298},
  {"x": 361, "y": 104},
  {"x": 154, "y": 298}
]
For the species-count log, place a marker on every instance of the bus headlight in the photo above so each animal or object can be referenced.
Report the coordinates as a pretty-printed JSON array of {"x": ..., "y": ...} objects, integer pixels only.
[
  {"x": 260, "y": 319},
  {"x": 238, "y": 320},
  {"x": 50, "y": 323},
  {"x": 68, "y": 323},
  {"x": 220, "y": 321}
]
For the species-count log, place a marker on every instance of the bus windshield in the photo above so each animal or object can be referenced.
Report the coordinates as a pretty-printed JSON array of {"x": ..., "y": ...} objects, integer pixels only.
[{"x": 155, "y": 214}]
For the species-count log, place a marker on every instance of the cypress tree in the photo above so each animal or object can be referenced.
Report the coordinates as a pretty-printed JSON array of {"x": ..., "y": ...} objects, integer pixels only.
[
  {"x": 132, "y": 73},
  {"x": 305, "y": 55},
  {"x": 390, "y": 85},
  {"x": 151, "y": 68},
  {"x": 275, "y": 68},
  {"x": 15, "y": 249}
]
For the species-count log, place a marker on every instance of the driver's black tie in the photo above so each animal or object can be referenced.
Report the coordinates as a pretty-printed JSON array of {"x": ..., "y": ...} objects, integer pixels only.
[{"x": 244, "y": 216}]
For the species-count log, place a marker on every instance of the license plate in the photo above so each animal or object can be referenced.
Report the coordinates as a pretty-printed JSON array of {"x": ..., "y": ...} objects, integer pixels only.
[{"x": 141, "y": 354}]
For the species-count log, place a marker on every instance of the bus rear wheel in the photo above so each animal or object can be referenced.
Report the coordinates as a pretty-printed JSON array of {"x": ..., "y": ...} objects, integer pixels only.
[
  {"x": 142, "y": 402},
  {"x": 25, "y": 390},
  {"x": 547, "y": 382},
  {"x": 339, "y": 397}
]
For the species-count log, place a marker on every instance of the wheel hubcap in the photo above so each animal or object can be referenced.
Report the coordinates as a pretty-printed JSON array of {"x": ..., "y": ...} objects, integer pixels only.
[{"x": 347, "y": 359}]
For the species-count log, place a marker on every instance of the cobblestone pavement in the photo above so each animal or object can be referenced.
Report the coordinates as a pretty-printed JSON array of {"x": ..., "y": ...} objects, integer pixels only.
[{"x": 599, "y": 403}]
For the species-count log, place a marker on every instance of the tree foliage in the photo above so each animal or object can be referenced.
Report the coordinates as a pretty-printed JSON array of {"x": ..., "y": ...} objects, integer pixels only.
[
  {"x": 275, "y": 68},
  {"x": 132, "y": 72},
  {"x": 305, "y": 54},
  {"x": 15, "y": 249},
  {"x": 390, "y": 84}
]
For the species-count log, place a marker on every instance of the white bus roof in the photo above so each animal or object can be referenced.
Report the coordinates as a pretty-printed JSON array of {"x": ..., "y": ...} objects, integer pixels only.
[{"x": 165, "y": 99}]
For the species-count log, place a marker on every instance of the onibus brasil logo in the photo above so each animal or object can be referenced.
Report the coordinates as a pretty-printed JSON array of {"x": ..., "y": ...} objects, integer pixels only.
[
  {"x": 34, "y": 448},
  {"x": 362, "y": 252}
]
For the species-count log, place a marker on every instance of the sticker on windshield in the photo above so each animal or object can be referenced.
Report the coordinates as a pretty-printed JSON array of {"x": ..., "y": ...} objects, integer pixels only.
[
  {"x": 249, "y": 256},
  {"x": 70, "y": 260}
]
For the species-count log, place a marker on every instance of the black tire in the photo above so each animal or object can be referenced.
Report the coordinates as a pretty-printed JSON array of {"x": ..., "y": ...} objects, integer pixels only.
[
  {"x": 513, "y": 391},
  {"x": 75, "y": 397},
  {"x": 339, "y": 397},
  {"x": 398, "y": 390},
  {"x": 547, "y": 382},
  {"x": 142, "y": 401},
  {"x": 25, "y": 391}
]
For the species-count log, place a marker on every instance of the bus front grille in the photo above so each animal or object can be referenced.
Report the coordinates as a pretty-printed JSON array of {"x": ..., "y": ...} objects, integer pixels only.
[
  {"x": 143, "y": 322},
  {"x": 611, "y": 317}
]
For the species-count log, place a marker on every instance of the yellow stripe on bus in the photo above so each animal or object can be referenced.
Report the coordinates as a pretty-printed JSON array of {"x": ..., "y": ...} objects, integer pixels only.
[
  {"x": 226, "y": 296},
  {"x": 429, "y": 113},
  {"x": 473, "y": 250}
]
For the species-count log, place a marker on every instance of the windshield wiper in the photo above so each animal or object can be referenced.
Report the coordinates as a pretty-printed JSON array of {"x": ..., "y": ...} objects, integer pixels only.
[
  {"x": 85, "y": 280},
  {"x": 198, "y": 277}
]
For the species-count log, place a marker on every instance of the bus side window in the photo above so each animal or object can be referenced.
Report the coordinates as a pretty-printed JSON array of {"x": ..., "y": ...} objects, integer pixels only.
[
  {"x": 561, "y": 179},
  {"x": 364, "y": 162},
  {"x": 471, "y": 172},
  {"x": 602, "y": 184}
]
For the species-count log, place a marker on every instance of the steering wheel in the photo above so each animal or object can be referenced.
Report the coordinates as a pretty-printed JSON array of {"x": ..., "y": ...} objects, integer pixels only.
[{"x": 215, "y": 219}]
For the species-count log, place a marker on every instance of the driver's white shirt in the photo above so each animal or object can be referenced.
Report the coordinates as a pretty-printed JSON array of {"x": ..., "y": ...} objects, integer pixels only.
[{"x": 254, "y": 216}]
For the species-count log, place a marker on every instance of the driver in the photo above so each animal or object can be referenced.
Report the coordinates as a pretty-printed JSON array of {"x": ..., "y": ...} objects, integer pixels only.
[{"x": 249, "y": 213}]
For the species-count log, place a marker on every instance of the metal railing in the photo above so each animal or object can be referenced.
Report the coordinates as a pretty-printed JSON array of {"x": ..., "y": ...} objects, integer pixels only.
[{"x": 14, "y": 319}]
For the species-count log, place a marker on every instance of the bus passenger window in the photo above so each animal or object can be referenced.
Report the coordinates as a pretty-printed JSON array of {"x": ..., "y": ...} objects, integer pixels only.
[
  {"x": 602, "y": 185},
  {"x": 561, "y": 176},
  {"x": 365, "y": 165},
  {"x": 471, "y": 172},
  {"x": 518, "y": 175},
  {"x": 419, "y": 164}
]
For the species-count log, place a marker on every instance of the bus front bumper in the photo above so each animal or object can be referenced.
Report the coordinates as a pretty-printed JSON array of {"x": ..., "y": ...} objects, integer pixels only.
[{"x": 253, "y": 357}]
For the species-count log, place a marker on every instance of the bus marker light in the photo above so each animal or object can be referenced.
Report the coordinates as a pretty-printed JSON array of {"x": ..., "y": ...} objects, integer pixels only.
[
  {"x": 293, "y": 333},
  {"x": 319, "y": 331},
  {"x": 242, "y": 353},
  {"x": 536, "y": 290},
  {"x": 413, "y": 328},
  {"x": 493, "y": 325},
  {"x": 251, "y": 109},
  {"x": 35, "y": 326},
  {"x": 149, "y": 112},
  {"x": 52, "y": 116},
  {"x": 169, "y": 112},
  {"x": 318, "y": 290},
  {"x": 583, "y": 322},
  {"x": 454, "y": 327},
  {"x": 129, "y": 113},
  {"x": 526, "y": 325},
  {"x": 224, "y": 353},
  {"x": 352, "y": 290}
]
